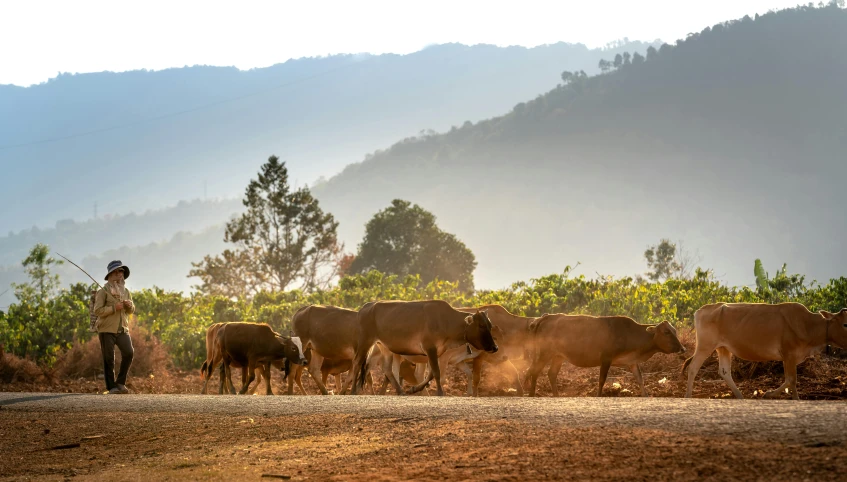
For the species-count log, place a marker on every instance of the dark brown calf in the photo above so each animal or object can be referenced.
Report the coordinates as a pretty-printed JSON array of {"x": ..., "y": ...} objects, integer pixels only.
[{"x": 252, "y": 345}]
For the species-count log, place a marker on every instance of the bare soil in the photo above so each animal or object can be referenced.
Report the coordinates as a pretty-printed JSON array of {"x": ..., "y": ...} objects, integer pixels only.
[
  {"x": 211, "y": 439},
  {"x": 167, "y": 437}
]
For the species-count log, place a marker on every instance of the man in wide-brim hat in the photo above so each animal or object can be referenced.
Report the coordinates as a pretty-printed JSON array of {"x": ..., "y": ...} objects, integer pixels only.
[{"x": 113, "y": 305}]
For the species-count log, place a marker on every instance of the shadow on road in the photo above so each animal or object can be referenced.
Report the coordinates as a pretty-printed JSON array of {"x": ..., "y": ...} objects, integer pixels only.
[{"x": 36, "y": 398}]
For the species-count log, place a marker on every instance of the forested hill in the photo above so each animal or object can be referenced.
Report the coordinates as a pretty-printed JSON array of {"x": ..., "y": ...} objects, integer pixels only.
[
  {"x": 176, "y": 134},
  {"x": 734, "y": 139}
]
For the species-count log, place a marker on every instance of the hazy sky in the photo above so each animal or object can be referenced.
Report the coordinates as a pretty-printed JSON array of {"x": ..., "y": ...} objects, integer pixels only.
[{"x": 38, "y": 39}]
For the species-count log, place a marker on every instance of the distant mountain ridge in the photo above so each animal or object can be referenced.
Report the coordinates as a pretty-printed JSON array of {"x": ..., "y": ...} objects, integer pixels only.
[
  {"x": 734, "y": 140},
  {"x": 212, "y": 127},
  {"x": 318, "y": 114}
]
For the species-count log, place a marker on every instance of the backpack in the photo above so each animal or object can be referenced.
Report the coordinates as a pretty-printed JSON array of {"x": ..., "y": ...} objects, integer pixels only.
[{"x": 92, "y": 317}]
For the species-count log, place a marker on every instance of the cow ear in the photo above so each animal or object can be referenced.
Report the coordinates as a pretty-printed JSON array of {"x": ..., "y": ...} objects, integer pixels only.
[
  {"x": 651, "y": 329},
  {"x": 468, "y": 320},
  {"x": 827, "y": 315}
]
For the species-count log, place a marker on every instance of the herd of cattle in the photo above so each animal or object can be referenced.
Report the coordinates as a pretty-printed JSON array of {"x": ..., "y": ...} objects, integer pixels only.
[{"x": 416, "y": 340}]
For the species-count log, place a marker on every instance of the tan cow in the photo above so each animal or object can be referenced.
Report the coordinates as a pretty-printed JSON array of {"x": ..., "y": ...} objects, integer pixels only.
[
  {"x": 590, "y": 341},
  {"x": 418, "y": 328},
  {"x": 213, "y": 357},
  {"x": 763, "y": 332},
  {"x": 513, "y": 339},
  {"x": 330, "y": 332}
]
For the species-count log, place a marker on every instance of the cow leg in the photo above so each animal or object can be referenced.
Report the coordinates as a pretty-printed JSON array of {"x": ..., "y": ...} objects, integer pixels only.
[
  {"x": 244, "y": 376},
  {"x": 369, "y": 381},
  {"x": 604, "y": 372},
  {"x": 431, "y": 373},
  {"x": 229, "y": 378},
  {"x": 363, "y": 351},
  {"x": 697, "y": 360},
  {"x": 422, "y": 370},
  {"x": 299, "y": 380},
  {"x": 725, "y": 369},
  {"x": 553, "y": 374},
  {"x": 207, "y": 374},
  {"x": 472, "y": 373},
  {"x": 315, "y": 371},
  {"x": 391, "y": 369},
  {"x": 252, "y": 390},
  {"x": 384, "y": 387},
  {"x": 292, "y": 374},
  {"x": 533, "y": 372},
  {"x": 324, "y": 377},
  {"x": 790, "y": 369},
  {"x": 338, "y": 384},
  {"x": 348, "y": 381},
  {"x": 223, "y": 380},
  {"x": 636, "y": 372},
  {"x": 435, "y": 370},
  {"x": 251, "y": 368},
  {"x": 266, "y": 372}
]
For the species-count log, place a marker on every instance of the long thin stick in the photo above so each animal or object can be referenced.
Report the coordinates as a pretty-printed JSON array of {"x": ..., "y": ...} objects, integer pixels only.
[{"x": 86, "y": 272}]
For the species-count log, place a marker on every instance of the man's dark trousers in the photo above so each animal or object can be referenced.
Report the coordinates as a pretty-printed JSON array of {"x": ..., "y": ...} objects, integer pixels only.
[{"x": 107, "y": 344}]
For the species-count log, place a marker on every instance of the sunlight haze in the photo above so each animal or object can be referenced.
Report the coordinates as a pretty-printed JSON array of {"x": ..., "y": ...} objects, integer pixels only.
[{"x": 41, "y": 38}]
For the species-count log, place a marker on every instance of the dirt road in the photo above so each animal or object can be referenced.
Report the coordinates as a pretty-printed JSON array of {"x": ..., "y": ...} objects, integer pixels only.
[{"x": 159, "y": 437}]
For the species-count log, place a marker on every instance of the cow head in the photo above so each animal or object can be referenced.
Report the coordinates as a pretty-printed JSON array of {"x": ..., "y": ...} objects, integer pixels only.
[
  {"x": 836, "y": 328},
  {"x": 293, "y": 349},
  {"x": 664, "y": 337},
  {"x": 478, "y": 332}
]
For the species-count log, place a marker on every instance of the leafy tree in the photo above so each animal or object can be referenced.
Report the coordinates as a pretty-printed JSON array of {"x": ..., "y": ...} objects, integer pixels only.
[
  {"x": 42, "y": 283},
  {"x": 403, "y": 239},
  {"x": 283, "y": 238},
  {"x": 761, "y": 275},
  {"x": 231, "y": 274},
  {"x": 782, "y": 287},
  {"x": 567, "y": 76},
  {"x": 626, "y": 58},
  {"x": 652, "y": 53},
  {"x": 661, "y": 260},
  {"x": 637, "y": 58},
  {"x": 618, "y": 61},
  {"x": 604, "y": 65},
  {"x": 44, "y": 320}
]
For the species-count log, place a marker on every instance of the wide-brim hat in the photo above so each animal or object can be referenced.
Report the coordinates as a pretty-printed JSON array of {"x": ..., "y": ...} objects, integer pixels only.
[{"x": 116, "y": 265}]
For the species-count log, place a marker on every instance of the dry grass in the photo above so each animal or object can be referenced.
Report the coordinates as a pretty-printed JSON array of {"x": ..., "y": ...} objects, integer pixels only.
[
  {"x": 14, "y": 369},
  {"x": 85, "y": 360}
]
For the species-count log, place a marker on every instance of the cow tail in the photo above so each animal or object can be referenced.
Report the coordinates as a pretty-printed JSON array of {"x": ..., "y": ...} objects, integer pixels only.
[
  {"x": 533, "y": 331},
  {"x": 365, "y": 313},
  {"x": 286, "y": 369},
  {"x": 203, "y": 368},
  {"x": 685, "y": 365}
]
